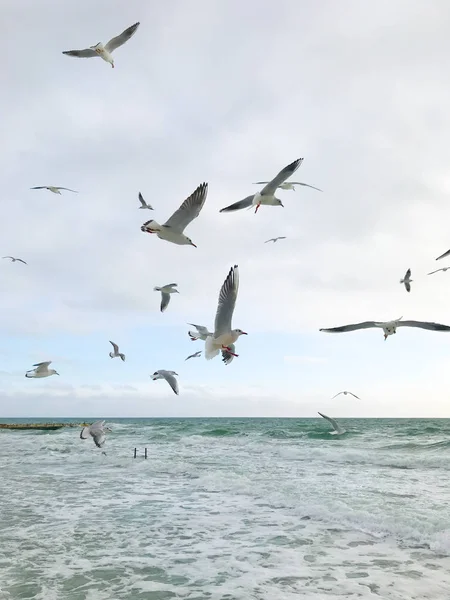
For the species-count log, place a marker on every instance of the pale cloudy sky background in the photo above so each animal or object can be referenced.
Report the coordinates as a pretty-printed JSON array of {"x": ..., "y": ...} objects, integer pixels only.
[{"x": 227, "y": 92}]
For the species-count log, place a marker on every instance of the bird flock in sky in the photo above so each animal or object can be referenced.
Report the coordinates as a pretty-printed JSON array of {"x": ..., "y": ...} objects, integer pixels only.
[{"x": 222, "y": 340}]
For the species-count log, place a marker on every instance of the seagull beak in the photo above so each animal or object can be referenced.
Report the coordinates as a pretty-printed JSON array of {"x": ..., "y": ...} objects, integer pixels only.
[
  {"x": 281, "y": 204},
  {"x": 244, "y": 333},
  {"x": 192, "y": 244},
  {"x": 385, "y": 336},
  {"x": 56, "y": 373}
]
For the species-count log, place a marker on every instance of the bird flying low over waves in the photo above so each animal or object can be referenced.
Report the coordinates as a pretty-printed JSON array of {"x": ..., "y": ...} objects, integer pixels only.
[
  {"x": 172, "y": 229},
  {"x": 169, "y": 376},
  {"x": 224, "y": 337},
  {"x": 267, "y": 195},
  {"x": 104, "y": 51},
  {"x": 407, "y": 280},
  {"x": 96, "y": 431},
  {"x": 337, "y": 429},
  {"x": 388, "y": 327},
  {"x": 116, "y": 352}
]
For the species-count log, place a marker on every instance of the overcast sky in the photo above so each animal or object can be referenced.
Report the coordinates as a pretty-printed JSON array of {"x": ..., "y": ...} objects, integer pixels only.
[{"x": 226, "y": 92}]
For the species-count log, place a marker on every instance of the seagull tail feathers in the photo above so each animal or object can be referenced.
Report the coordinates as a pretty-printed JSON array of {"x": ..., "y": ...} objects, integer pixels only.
[
  {"x": 210, "y": 349},
  {"x": 193, "y": 335}
]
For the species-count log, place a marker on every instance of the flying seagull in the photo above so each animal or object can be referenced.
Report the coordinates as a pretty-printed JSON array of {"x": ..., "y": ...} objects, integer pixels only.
[
  {"x": 104, "y": 51},
  {"x": 41, "y": 370},
  {"x": 201, "y": 334},
  {"x": 345, "y": 393},
  {"x": 15, "y": 259},
  {"x": 166, "y": 290},
  {"x": 223, "y": 335},
  {"x": 407, "y": 280},
  {"x": 443, "y": 255},
  {"x": 289, "y": 185},
  {"x": 169, "y": 377},
  {"x": 143, "y": 202},
  {"x": 53, "y": 188},
  {"x": 388, "y": 327},
  {"x": 437, "y": 270},
  {"x": 280, "y": 237},
  {"x": 267, "y": 195},
  {"x": 96, "y": 431},
  {"x": 338, "y": 430},
  {"x": 172, "y": 229},
  {"x": 116, "y": 352},
  {"x": 196, "y": 355}
]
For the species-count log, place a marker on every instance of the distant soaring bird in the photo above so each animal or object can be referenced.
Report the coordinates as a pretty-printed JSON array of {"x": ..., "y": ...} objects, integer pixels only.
[
  {"x": 437, "y": 270},
  {"x": 143, "y": 202},
  {"x": 41, "y": 370},
  {"x": 104, "y": 51},
  {"x": 345, "y": 393},
  {"x": 195, "y": 355},
  {"x": 166, "y": 290},
  {"x": 407, "y": 280},
  {"x": 280, "y": 237},
  {"x": 116, "y": 352},
  {"x": 388, "y": 327},
  {"x": 15, "y": 259},
  {"x": 53, "y": 188},
  {"x": 169, "y": 376}
]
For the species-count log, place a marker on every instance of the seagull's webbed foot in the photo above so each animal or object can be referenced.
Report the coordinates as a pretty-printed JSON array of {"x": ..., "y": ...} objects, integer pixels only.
[
  {"x": 229, "y": 351},
  {"x": 257, "y": 206}
]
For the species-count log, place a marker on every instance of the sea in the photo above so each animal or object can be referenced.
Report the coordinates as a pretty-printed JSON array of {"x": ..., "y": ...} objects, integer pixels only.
[{"x": 227, "y": 509}]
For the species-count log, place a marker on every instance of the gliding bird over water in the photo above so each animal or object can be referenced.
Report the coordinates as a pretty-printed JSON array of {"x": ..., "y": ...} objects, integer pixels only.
[
  {"x": 41, "y": 370},
  {"x": 345, "y": 393},
  {"x": 338, "y": 430},
  {"x": 172, "y": 229},
  {"x": 116, "y": 352},
  {"x": 104, "y": 51},
  {"x": 169, "y": 376},
  {"x": 267, "y": 195},
  {"x": 96, "y": 431},
  {"x": 15, "y": 259},
  {"x": 407, "y": 280},
  {"x": 224, "y": 337},
  {"x": 53, "y": 188},
  {"x": 388, "y": 327}
]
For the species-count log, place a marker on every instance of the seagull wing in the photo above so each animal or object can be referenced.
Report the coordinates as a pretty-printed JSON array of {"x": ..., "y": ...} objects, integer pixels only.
[
  {"x": 424, "y": 325},
  {"x": 87, "y": 53},
  {"x": 85, "y": 432},
  {"x": 171, "y": 380},
  {"x": 354, "y": 395},
  {"x": 245, "y": 203},
  {"x": 336, "y": 396},
  {"x": 165, "y": 299},
  {"x": 354, "y": 327},
  {"x": 11, "y": 257},
  {"x": 201, "y": 329},
  {"x": 22, "y": 261},
  {"x": 42, "y": 366},
  {"x": 40, "y": 187},
  {"x": 332, "y": 422},
  {"x": 119, "y": 40},
  {"x": 115, "y": 346},
  {"x": 99, "y": 438},
  {"x": 271, "y": 240},
  {"x": 407, "y": 274},
  {"x": 305, "y": 185},
  {"x": 226, "y": 356},
  {"x": 407, "y": 286},
  {"x": 443, "y": 255},
  {"x": 189, "y": 210},
  {"x": 271, "y": 187},
  {"x": 68, "y": 189},
  {"x": 432, "y": 272},
  {"x": 227, "y": 302},
  {"x": 260, "y": 182}
]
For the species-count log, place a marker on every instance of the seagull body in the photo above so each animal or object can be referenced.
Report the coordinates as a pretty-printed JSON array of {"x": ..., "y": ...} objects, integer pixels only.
[
  {"x": 201, "y": 334},
  {"x": 15, "y": 259},
  {"x": 53, "y": 188},
  {"x": 195, "y": 355},
  {"x": 345, "y": 393},
  {"x": 143, "y": 202},
  {"x": 169, "y": 376},
  {"x": 224, "y": 336},
  {"x": 267, "y": 195},
  {"x": 388, "y": 327},
  {"x": 437, "y": 270},
  {"x": 96, "y": 431},
  {"x": 289, "y": 185},
  {"x": 116, "y": 352},
  {"x": 104, "y": 51},
  {"x": 41, "y": 370},
  {"x": 338, "y": 430},
  {"x": 280, "y": 237},
  {"x": 172, "y": 229},
  {"x": 407, "y": 280},
  {"x": 166, "y": 290}
]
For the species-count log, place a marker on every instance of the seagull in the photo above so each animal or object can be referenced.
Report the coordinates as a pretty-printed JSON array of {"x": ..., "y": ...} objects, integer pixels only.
[
  {"x": 169, "y": 377},
  {"x": 172, "y": 229},
  {"x": 338, "y": 430},
  {"x": 96, "y": 431},
  {"x": 41, "y": 370},
  {"x": 267, "y": 194},
  {"x": 53, "y": 188},
  {"x": 143, "y": 202},
  {"x": 15, "y": 259},
  {"x": 443, "y": 255},
  {"x": 104, "y": 51},
  {"x": 437, "y": 270},
  {"x": 196, "y": 355},
  {"x": 224, "y": 336},
  {"x": 389, "y": 327},
  {"x": 166, "y": 290},
  {"x": 289, "y": 185},
  {"x": 407, "y": 280},
  {"x": 201, "y": 334},
  {"x": 116, "y": 351},
  {"x": 280, "y": 237},
  {"x": 345, "y": 393}
]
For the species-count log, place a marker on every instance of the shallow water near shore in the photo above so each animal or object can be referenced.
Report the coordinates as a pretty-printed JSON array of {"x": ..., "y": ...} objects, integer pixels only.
[{"x": 227, "y": 509}]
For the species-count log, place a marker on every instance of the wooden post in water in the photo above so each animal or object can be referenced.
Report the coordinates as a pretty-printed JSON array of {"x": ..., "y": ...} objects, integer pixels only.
[
  {"x": 135, "y": 452},
  {"x": 145, "y": 455}
]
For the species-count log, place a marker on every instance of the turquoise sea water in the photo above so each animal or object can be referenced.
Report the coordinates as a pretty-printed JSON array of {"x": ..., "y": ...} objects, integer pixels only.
[{"x": 228, "y": 509}]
